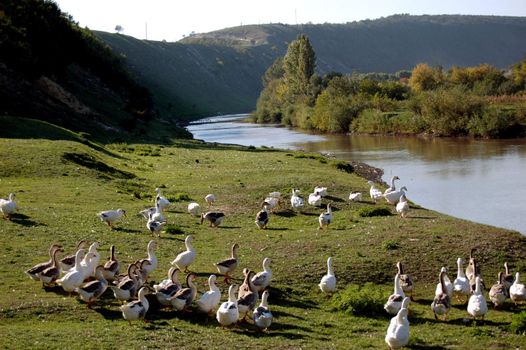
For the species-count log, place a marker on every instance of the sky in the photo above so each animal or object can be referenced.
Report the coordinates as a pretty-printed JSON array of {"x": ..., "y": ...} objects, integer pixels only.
[{"x": 171, "y": 20}]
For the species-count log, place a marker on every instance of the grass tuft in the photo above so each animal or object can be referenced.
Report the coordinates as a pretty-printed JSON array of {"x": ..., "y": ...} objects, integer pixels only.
[
  {"x": 518, "y": 323},
  {"x": 361, "y": 300},
  {"x": 368, "y": 212}
]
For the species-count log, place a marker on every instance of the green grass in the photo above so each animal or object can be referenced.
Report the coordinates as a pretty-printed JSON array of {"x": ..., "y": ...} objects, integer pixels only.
[{"x": 59, "y": 200}]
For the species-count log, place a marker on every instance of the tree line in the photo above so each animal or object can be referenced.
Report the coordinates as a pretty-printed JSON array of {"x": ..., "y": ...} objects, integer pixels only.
[{"x": 480, "y": 101}]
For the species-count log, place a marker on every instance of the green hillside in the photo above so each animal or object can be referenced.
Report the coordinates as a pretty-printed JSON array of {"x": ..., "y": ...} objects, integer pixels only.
[{"x": 221, "y": 71}]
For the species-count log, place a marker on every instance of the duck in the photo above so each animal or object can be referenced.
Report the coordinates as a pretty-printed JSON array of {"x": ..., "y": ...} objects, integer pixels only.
[
  {"x": 262, "y": 217},
  {"x": 517, "y": 290},
  {"x": 325, "y": 218},
  {"x": 152, "y": 258},
  {"x": 67, "y": 262},
  {"x": 406, "y": 280},
  {"x": 184, "y": 297},
  {"x": 247, "y": 298},
  {"x": 154, "y": 226},
  {"x": 74, "y": 278},
  {"x": 210, "y": 199},
  {"x": 261, "y": 280},
  {"x": 374, "y": 192},
  {"x": 355, "y": 196},
  {"x": 477, "y": 306},
  {"x": 394, "y": 302},
  {"x": 215, "y": 218},
  {"x": 210, "y": 300},
  {"x": 461, "y": 283},
  {"x": 314, "y": 199},
  {"x": 110, "y": 216},
  {"x": 261, "y": 315},
  {"x": 394, "y": 197},
  {"x": 35, "y": 271},
  {"x": 160, "y": 200},
  {"x": 447, "y": 283},
  {"x": 126, "y": 288},
  {"x": 137, "y": 309},
  {"x": 186, "y": 258},
  {"x": 498, "y": 293},
  {"x": 164, "y": 291},
  {"x": 111, "y": 267},
  {"x": 228, "y": 313},
  {"x": 296, "y": 201},
  {"x": 8, "y": 206},
  {"x": 397, "y": 335},
  {"x": 392, "y": 188},
  {"x": 194, "y": 209},
  {"x": 442, "y": 302},
  {"x": 328, "y": 282},
  {"x": 402, "y": 207},
  {"x": 322, "y": 191},
  {"x": 52, "y": 273},
  {"x": 508, "y": 278},
  {"x": 227, "y": 266},
  {"x": 91, "y": 291}
]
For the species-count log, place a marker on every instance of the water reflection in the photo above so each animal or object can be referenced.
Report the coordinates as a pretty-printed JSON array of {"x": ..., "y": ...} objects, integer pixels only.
[{"x": 479, "y": 180}]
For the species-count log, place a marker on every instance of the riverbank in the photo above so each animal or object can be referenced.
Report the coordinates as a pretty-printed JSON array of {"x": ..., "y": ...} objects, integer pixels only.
[{"x": 59, "y": 198}]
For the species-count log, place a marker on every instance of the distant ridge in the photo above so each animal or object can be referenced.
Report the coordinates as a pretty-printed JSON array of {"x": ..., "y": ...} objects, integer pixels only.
[{"x": 220, "y": 71}]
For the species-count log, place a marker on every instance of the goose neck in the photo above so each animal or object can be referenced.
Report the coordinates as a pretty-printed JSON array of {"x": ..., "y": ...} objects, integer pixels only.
[
  {"x": 460, "y": 269},
  {"x": 329, "y": 267},
  {"x": 232, "y": 294}
]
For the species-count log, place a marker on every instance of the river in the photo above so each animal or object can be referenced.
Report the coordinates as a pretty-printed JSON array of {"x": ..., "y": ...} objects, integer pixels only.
[{"x": 478, "y": 180}]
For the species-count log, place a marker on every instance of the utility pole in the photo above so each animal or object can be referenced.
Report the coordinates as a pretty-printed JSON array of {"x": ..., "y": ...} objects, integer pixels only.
[
  {"x": 295, "y": 16},
  {"x": 146, "y": 29}
]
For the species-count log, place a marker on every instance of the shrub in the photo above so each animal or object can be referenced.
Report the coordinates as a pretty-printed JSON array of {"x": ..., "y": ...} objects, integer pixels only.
[
  {"x": 343, "y": 166},
  {"x": 390, "y": 244},
  {"x": 494, "y": 122},
  {"x": 180, "y": 197},
  {"x": 374, "y": 211},
  {"x": 361, "y": 300}
]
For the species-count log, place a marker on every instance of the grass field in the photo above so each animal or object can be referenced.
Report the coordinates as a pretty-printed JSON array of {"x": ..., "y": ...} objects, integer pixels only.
[{"x": 61, "y": 184}]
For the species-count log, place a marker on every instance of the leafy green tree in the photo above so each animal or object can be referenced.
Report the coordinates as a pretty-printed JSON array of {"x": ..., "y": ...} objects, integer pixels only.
[
  {"x": 519, "y": 74},
  {"x": 424, "y": 78},
  {"x": 299, "y": 64},
  {"x": 275, "y": 71}
]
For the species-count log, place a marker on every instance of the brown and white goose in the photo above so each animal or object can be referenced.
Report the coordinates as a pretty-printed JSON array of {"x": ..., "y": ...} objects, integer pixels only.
[
  {"x": 184, "y": 297},
  {"x": 227, "y": 266},
  {"x": 165, "y": 292},
  {"x": 38, "y": 268},
  {"x": 91, "y": 291},
  {"x": 262, "y": 217},
  {"x": 406, "y": 280},
  {"x": 52, "y": 273},
  {"x": 214, "y": 217},
  {"x": 248, "y": 296},
  {"x": 68, "y": 262},
  {"x": 442, "y": 302},
  {"x": 498, "y": 292}
]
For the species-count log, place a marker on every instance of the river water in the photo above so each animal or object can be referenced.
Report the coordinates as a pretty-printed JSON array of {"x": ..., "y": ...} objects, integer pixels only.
[{"x": 478, "y": 180}]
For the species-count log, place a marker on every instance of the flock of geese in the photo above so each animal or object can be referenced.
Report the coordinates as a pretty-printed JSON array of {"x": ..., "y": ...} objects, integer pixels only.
[{"x": 81, "y": 272}]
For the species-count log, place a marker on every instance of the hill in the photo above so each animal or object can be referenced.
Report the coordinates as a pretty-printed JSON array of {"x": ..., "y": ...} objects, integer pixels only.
[
  {"x": 51, "y": 69},
  {"x": 60, "y": 185},
  {"x": 221, "y": 71}
]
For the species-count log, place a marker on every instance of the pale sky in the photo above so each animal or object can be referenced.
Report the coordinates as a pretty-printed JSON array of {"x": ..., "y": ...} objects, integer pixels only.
[{"x": 171, "y": 19}]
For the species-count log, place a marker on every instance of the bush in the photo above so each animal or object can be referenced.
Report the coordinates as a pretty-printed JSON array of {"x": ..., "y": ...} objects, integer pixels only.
[
  {"x": 374, "y": 211},
  {"x": 180, "y": 197},
  {"x": 390, "y": 244},
  {"x": 361, "y": 300},
  {"x": 494, "y": 122}
]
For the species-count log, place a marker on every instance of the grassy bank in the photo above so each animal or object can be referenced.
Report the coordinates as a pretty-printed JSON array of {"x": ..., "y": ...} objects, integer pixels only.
[{"x": 61, "y": 185}]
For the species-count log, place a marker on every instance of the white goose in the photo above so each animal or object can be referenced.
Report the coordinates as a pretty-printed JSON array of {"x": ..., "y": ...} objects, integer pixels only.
[
  {"x": 447, "y": 283},
  {"x": 295, "y": 200},
  {"x": 325, "y": 218},
  {"x": 209, "y": 300},
  {"x": 328, "y": 281},
  {"x": 355, "y": 196},
  {"x": 321, "y": 190},
  {"x": 194, "y": 209},
  {"x": 152, "y": 258},
  {"x": 137, "y": 309},
  {"x": 186, "y": 258},
  {"x": 394, "y": 302},
  {"x": 91, "y": 260},
  {"x": 498, "y": 293},
  {"x": 162, "y": 201},
  {"x": 461, "y": 283},
  {"x": 517, "y": 290},
  {"x": 374, "y": 192},
  {"x": 8, "y": 206},
  {"x": 397, "y": 335},
  {"x": 477, "y": 306},
  {"x": 392, "y": 188},
  {"x": 74, "y": 278},
  {"x": 262, "y": 316},
  {"x": 210, "y": 199},
  {"x": 442, "y": 302},
  {"x": 67, "y": 262},
  {"x": 261, "y": 280},
  {"x": 157, "y": 215},
  {"x": 314, "y": 199},
  {"x": 273, "y": 200},
  {"x": 110, "y": 216},
  {"x": 394, "y": 197},
  {"x": 228, "y": 313},
  {"x": 402, "y": 207}
]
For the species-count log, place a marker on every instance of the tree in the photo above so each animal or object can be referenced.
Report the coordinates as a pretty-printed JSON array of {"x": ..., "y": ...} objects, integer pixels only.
[
  {"x": 299, "y": 64},
  {"x": 424, "y": 77},
  {"x": 119, "y": 28}
]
